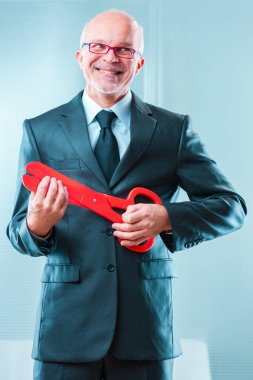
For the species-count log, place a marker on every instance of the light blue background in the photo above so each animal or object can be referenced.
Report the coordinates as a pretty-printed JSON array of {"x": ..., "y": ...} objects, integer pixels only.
[{"x": 199, "y": 61}]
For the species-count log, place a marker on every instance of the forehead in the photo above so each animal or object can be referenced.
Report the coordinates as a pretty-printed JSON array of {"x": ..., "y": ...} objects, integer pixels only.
[{"x": 112, "y": 29}]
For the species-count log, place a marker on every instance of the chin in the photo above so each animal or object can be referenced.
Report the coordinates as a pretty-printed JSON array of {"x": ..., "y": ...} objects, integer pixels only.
[
  {"x": 104, "y": 91},
  {"x": 108, "y": 91}
]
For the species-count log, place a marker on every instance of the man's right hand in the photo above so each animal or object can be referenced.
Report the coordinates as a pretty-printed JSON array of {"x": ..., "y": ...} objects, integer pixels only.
[{"x": 47, "y": 206}]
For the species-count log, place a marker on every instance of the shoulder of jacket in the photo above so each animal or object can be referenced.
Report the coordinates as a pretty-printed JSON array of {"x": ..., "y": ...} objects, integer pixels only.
[
  {"x": 166, "y": 113},
  {"x": 54, "y": 113}
]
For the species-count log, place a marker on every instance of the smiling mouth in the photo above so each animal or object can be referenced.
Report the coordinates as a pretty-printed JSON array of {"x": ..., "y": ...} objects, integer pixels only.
[{"x": 109, "y": 72}]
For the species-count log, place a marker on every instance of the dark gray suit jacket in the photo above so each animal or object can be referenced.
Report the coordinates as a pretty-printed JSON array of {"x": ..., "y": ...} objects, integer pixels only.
[{"x": 95, "y": 294}]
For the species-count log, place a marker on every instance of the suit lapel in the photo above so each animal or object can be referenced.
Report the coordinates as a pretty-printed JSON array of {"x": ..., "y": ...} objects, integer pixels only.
[
  {"x": 75, "y": 128},
  {"x": 141, "y": 130}
]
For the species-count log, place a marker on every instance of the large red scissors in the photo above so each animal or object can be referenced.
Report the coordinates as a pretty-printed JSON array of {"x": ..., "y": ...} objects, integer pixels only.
[{"x": 81, "y": 195}]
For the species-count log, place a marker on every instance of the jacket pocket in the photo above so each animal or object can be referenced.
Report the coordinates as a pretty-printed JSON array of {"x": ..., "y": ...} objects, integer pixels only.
[
  {"x": 61, "y": 273},
  {"x": 157, "y": 268},
  {"x": 63, "y": 164}
]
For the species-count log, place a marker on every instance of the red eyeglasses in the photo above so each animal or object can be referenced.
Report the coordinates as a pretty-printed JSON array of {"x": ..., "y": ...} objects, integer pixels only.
[{"x": 119, "y": 51}]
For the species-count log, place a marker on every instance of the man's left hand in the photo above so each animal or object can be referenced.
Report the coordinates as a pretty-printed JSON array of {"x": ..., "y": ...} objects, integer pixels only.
[{"x": 141, "y": 222}]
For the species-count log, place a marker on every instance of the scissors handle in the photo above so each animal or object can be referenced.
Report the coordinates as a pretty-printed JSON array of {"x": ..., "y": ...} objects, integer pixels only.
[
  {"x": 142, "y": 248},
  {"x": 130, "y": 200},
  {"x": 143, "y": 191}
]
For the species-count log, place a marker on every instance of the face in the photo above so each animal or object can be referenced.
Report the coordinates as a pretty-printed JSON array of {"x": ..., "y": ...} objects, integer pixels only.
[{"x": 109, "y": 75}]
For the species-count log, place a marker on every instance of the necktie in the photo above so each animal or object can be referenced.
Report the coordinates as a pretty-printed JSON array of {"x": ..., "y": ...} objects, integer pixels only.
[{"x": 106, "y": 150}]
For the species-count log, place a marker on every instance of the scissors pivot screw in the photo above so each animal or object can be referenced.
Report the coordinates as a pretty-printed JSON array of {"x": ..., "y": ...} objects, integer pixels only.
[{"x": 94, "y": 200}]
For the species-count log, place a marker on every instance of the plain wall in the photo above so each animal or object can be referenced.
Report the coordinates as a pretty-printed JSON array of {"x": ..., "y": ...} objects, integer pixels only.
[{"x": 199, "y": 61}]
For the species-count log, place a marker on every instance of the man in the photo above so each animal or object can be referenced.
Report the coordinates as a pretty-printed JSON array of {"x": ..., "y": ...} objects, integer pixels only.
[{"x": 105, "y": 311}]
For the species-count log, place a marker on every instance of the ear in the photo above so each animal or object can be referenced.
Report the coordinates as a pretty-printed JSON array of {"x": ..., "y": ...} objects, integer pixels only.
[
  {"x": 140, "y": 63},
  {"x": 79, "y": 58}
]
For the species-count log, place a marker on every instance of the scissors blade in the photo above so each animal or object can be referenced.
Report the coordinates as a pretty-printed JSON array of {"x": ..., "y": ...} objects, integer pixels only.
[
  {"x": 79, "y": 194},
  {"x": 38, "y": 170}
]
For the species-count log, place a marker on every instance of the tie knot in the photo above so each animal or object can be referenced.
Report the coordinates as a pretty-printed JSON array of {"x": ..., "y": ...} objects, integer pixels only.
[{"x": 105, "y": 118}]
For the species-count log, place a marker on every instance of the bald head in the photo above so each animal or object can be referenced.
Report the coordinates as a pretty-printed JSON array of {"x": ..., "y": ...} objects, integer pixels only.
[{"x": 114, "y": 19}]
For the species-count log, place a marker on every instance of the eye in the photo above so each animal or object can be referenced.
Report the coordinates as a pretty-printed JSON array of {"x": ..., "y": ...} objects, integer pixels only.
[
  {"x": 98, "y": 47},
  {"x": 124, "y": 50}
]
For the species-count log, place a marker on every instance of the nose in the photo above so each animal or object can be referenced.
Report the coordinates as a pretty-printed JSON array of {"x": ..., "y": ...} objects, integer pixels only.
[{"x": 110, "y": 56}]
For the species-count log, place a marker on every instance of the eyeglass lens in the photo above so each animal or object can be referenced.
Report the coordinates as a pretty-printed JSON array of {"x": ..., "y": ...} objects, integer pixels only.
[{"x": 103, "y": 49}]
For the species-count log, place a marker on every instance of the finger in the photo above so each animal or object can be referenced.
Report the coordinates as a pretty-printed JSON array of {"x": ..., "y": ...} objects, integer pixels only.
[
  {"x": 61, "y": 197},
  {"x": 64, "y": 201},
  {"x": 52, "y": 191},
  {"x": 127, "y": 227},
  {"x": 41, "y": 189},
  {"x": 64, "y": 206},
  {"x": 130, "y": 243},
  {"x": 134, "y": 207},
  {"x": 30, "y": 202},
  {"x": 128, "y": 235},
  {"x": 133, "y": 216},
  {"x": 66, "y": 194},
  {"x": 134, "y": 213},
  {"x": 31, "y": 197}
]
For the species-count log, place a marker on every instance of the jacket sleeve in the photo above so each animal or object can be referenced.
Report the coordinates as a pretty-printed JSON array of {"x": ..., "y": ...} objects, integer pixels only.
[
  {"x": 214, "y": 208},
  {"x": 17, "y": 230}
]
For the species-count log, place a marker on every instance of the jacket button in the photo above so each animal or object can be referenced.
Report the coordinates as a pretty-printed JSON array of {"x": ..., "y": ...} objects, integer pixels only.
[
  {"x": 108, "y": 231},
  {"x": 110, "y": 267}
]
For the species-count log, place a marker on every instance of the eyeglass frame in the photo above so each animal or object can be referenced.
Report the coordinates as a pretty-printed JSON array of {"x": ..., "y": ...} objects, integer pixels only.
[{"x": 133, "y": 51}]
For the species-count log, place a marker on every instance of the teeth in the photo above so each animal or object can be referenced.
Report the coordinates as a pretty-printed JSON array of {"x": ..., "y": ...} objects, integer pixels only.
[{"x": 108, "y": 71}]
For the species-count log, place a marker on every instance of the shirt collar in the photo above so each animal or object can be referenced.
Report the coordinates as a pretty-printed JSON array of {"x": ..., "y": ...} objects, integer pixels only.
[{"x": 122, "y": 108}]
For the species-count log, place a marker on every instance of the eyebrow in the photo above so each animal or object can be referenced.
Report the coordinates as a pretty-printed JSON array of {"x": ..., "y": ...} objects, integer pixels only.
[{"x": 106, "y": 43}]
